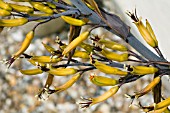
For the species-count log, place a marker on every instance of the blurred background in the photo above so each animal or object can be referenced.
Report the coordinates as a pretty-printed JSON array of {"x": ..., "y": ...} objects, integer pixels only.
[{"x": 17, "y": 91}]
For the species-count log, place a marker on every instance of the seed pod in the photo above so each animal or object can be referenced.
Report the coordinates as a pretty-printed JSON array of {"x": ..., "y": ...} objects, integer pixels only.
[
  {"x": 31, "y": 71},
  {"x": 67, "y": 85},
  {"x": 41, "y": 7},
  {"x": 114, "y": 56},
  {"x": 62, "y": 71},
  {"x": 21, "y": 8},
  {"x": 149, "y": 87},
  {"x": 13, "y": 22},
  {"x": 46, "y": 59},
  {"x": 143, "y": 70},
  {"x": 108, "y": 69},
  {"x": 76, "y": 42},
  {"x": 73, "y": 21},
  {"x": 4, "y": 12},
  {"x": 102, "y": 81},
  {"x": 5, "y": 6},
  {"x": 81, "y": 54},
  {"x": 113, "y": 45}
]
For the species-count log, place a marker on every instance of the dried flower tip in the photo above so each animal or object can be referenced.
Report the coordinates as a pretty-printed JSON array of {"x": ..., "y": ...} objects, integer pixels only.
[
  {"x": 10, "y": 61},
  {"x": 133, "y": 15},
  {"x": 43, "y": 94},
  {"x": 4, "y": 61},
  {"x": 101, "y": 98},
  {"x": 85, "y": 104},
  {"x": 102, "y": 81},
  {"x": 50, "y": 91},
  {"x": 127, "y": 95},
  {"x": 132, "y": 97},
  {"x": 58, "y": 41}
]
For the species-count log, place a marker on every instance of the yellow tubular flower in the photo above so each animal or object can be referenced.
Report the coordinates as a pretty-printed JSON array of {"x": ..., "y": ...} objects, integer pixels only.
[
  {"x": 149, "y": 28},
  {"x": 162, "y": 110},
  {"x": 145, "y": 34},
  {"x": 51, "y": 49},
  {"x": 25, "y": 44},
  {"x": 86, "y": 47},
  {"x": 21, "y": 8},
  {"x": 39, "y": 14},
  {"x": 4, "y": 12},
  {"x": 101, "y": 98},
  {"x": 62, "y": 71},
  {"x": 5, "y": 6},
  {"x": 105, "y": 96},
  {"x": 21, "y": 0},
  {"x": 149, "y": 87},
  {"x": 143, "y": 70},
  {"x": 108, "y": 69},
  {"x": 33, "y": 62},
  {"x": 166, "y": 110},
  {"x": 13, "y": 22},
  {"x": 114, "y": 56},
  {"x": 76, "y": 42},
  {"x": 73, "y": 21},
  {"x": 41, "y": 7},
  {"x": 46, "y": 59},
  {"x": 89, "y": 6},
  {"x": 102, "y": 81},
  {"x": 113, "y": 45},
  {"x": 65, "y": 86},
  {"x": 48, "y": 48},
  {"x": 81, "y": 54},
  {"x": 23, "y": 48},
  {"x": 162, "y": 104},
  {"x": 31, "y": 71}
]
